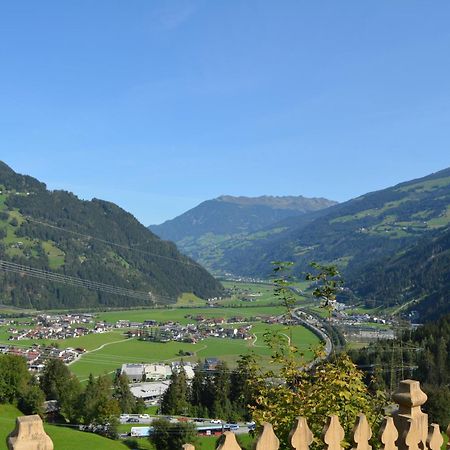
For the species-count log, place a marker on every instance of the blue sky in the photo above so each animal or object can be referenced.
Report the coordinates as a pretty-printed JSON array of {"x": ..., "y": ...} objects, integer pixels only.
[{"x": 158, "y": 106}]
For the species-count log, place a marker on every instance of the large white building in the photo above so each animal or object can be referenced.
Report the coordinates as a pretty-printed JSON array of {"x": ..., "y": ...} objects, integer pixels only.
[
  {"x": 152, "y": 392},
  {"x": 137, "y": 373}
]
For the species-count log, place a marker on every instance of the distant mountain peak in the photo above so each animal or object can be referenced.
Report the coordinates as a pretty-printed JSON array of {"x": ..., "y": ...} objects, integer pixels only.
[{"x": 279, "y": 202}]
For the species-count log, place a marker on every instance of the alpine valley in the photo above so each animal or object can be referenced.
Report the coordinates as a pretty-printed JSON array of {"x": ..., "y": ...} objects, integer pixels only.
[{"x": 392, "y": 245}]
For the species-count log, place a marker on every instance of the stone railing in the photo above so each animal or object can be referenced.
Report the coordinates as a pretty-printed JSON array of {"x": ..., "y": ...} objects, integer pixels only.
[{"x": 407, "y": 429}]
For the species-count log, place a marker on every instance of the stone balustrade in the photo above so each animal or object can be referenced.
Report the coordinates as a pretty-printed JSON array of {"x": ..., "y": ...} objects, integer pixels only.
[{"x": 407, "y": 429}]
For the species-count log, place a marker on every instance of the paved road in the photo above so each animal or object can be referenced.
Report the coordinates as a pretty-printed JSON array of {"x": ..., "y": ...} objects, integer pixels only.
[
  {"x": 145, "y": 421},
  {"x": 302, "y": 316}
]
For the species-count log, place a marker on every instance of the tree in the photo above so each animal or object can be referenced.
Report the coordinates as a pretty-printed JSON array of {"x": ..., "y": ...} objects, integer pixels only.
[
  {"x": 169, "y": 436},
  {"x": 335, "y": 386},
  {"x": 54, "y": 379},
  {"x": 327, "y": 279},
  {"x": 437, "y": 404},
  {"x": 175, "y": 399},
  {"x": 222, "y": 405},
  {"x": 14, "y": 378},
  {"x": 241, "y": 392},
  {"x": 32, "y": 401},
  {"x": 58, "y": 383},
  {"x": 123, "y": 395},
  {"x": 98, "y": 405}
]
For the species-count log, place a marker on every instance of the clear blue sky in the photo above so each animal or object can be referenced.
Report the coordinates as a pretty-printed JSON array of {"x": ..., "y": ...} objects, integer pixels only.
[{"x": 158, "y": 106}]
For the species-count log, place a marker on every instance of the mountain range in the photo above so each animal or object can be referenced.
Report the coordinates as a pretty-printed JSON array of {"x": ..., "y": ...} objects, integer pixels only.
[
  {"x": 56, "y": 232},
  {"x": 209, "y": 230},
  {"x": 391, "y": 245}
]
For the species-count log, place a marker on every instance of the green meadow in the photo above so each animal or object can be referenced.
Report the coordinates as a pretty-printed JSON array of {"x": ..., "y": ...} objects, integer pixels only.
[
  {"x": 111, "y": 356},
  {"x": 180, "y": 314}
]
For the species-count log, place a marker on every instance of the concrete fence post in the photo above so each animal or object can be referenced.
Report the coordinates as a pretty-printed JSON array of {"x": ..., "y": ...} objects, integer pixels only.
[{"x": 29, "y": 434}]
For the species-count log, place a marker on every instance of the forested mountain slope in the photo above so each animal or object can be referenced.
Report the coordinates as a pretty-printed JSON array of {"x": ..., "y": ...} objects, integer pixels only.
[
  {"x": 211, "y": 228},
  {"x": 419, "y": 277},
  {"x": 351, "y": 234},
  {"x": 422, "y": 354},
  {"x": 94, "y": 240}
]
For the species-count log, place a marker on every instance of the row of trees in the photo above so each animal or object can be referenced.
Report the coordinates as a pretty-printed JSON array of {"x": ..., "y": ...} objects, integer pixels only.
[
  {"x": 422, "y": 354},
  {"x": 220, "y": 393}
]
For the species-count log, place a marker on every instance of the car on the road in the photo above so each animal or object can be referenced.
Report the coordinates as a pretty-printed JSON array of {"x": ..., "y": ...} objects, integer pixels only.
[
  {"x": 133, "y": 420},
  {"x": 231, "y": 426},
  {"x": 218, "y": 421},
  {"x": 144, "y": 416}
]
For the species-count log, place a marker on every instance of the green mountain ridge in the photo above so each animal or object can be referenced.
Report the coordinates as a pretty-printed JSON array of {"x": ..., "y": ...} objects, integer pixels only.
[
  {"x": 93, "y": 240},
  {"x": 351, "y": 234},
  {"x": 418, "y": 277},
  {"x": 391, "y": 245},
  {"x": 216, "y": 226}
]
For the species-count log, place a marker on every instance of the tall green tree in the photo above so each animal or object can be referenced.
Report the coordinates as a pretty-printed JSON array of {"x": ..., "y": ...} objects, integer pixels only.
[
  {"x": 32, "y": 400},
  {"x": 170, "y": 436},
  {"x": 176, "y": 399},
  {"x": 58, "y": 383},
  {"x": 222, "y": 407},
  {"x": 123, "y": 395},
  {"x": 14, "y": 378},
  {"x": 98, "y": 405},
  {"x": 241, "y": 391},
  {"x": 327, "y": 280}
]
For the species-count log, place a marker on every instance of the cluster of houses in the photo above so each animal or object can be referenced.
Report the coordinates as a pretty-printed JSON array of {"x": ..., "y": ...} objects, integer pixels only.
[
  {"x": 193, "y": 333},
  {"x": 61, "y": 326},
  {"x": 64, "y": 326},
  {"x": 37, "y": 355}
]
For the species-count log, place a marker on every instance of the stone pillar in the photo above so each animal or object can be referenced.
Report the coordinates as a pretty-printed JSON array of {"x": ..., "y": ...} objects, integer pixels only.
[
  {"x": 410, "y": 421},
  {"x": 29, "y": 434}
]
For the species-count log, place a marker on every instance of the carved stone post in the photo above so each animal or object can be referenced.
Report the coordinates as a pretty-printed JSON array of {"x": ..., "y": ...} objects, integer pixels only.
[
  {"x": 29, "y": 434},
  {"x": 267, "y": 440},
  {"x": 362, "y": 433},
  {"x": 410, "y": 421},
  {"x": 300, "y": 436},
  {"x": 333, "y": 434},
  {"x": 230, "y": 442}
]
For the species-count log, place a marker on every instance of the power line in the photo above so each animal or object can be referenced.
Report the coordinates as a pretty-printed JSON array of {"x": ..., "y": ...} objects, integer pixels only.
[
  {"x": 74, "y": 281},
  {"x": 47, "y": 275},
  {"x": 104, "y": 241}
]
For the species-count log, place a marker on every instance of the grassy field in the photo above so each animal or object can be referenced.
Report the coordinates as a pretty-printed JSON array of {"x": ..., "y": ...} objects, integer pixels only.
[
  {"x": 111, "y": 356},
  {"x": 106, "y": 352},
  {"x": 180, "y": 314},
  {"x": 63, "y": 438},
  {"x": 189, "y": 299}
]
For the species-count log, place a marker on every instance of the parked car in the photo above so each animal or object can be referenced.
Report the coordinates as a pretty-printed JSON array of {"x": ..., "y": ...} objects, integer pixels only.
[
  {"x": 216, "y": 421},
  {"x": 144, "y": 416},
  {"x": 133, "y": 420}
]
